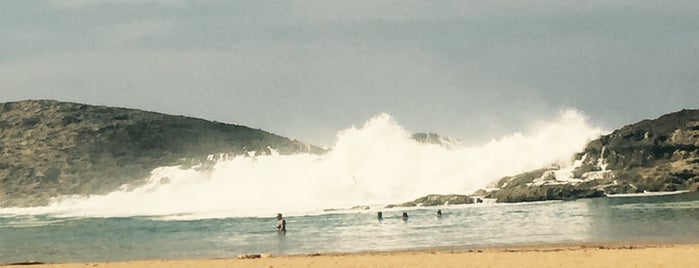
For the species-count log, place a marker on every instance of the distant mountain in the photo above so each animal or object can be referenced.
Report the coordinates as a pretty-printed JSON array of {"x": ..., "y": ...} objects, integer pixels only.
[
  {"x": 52, "y": 148},
  {"x": 648, "y": 156}
]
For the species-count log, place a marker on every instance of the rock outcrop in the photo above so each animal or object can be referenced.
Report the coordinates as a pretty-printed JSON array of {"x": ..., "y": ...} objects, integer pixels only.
[
  {"x": 439, "y": 200},
  {"x": 649, "y": 156},
  {"x": 52, "y": 148},
  {"x": 432, "y": 138}
]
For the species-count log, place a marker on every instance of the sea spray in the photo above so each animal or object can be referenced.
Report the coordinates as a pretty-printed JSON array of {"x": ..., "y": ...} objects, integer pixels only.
[{"x": 375, "y": 164}]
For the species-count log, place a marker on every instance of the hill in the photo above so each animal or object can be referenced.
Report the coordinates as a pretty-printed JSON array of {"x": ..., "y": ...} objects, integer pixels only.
[
  {"x": 648, "y": 156},
  {"x": 52, "y": 148}
]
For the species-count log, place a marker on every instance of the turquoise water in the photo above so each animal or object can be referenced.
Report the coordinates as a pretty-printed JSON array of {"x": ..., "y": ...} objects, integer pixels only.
[{"x": 671, "y": 218}]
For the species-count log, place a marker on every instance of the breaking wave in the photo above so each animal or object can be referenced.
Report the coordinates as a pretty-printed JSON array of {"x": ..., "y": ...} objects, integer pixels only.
[{"x": 375, "y": 164}]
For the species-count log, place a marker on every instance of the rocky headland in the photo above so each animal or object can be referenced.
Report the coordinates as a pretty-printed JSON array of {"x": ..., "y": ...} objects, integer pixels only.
[
  {"x": 440, "y": 200},
  {"x": 52, "y": 148},
  {"x": 648, "y": 156}
]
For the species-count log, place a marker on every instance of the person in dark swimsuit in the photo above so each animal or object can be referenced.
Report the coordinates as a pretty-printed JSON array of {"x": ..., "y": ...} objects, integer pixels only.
[{"x": 281, "y": 224}]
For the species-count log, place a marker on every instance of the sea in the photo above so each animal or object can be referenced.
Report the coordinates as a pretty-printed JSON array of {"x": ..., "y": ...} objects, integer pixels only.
[
  {"x": 666, "y": 218},
  {"x": 330, "y": 202}
]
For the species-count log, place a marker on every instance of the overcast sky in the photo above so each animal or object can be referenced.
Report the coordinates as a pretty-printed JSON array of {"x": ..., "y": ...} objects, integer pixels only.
[{"x": 471, "y": 69}]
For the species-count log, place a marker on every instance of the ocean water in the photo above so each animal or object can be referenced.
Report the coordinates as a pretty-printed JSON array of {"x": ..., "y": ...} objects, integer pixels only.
[{"x": 668, "y": 218}]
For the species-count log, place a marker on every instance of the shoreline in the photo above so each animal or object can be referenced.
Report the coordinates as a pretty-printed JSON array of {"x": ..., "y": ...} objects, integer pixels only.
[{"x": 584, "y": 254}]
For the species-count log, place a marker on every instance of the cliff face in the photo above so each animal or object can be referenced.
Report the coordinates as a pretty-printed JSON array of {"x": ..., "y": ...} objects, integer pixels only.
[
  {"x": 51, "y": 148},
  {"x": 651, "y": 155}
]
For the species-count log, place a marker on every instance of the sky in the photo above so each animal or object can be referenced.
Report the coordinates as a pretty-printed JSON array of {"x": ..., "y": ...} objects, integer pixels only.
[{"x": 473, "y": 69}]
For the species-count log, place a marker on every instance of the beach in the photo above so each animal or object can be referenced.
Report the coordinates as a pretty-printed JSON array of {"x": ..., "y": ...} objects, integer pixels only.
[{"x": 572, "y": 255}]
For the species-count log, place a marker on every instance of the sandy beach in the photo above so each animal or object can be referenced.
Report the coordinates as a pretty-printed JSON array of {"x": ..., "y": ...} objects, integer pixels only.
[{"x": 579, "y": 255}]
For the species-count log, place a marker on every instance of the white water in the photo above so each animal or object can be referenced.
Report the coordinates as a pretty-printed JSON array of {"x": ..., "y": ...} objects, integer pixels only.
[
  {"x": 646, "y": 193},
  {"x": 377, "y": 163}
]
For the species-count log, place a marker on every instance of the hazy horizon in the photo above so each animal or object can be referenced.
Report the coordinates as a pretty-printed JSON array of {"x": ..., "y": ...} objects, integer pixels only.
[{"x": 471, "y": 70}]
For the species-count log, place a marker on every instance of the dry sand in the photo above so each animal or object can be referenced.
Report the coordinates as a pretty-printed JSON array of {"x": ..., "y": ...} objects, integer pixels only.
[{"x": 581, "y": 255}]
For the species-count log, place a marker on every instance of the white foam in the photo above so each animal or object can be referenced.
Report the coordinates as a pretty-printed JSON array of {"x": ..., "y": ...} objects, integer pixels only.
[
  {"x": 377, "y": 163},
  {"x": 647, "y": 193}
]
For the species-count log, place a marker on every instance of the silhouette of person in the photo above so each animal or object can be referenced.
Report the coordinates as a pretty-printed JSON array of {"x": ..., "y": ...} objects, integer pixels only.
[
  {"x": 281, "y": 224},
  {"x": 379, "y": 215},
  {"x": 405, "y": 216},
  {"x": 439, "y": 213}
]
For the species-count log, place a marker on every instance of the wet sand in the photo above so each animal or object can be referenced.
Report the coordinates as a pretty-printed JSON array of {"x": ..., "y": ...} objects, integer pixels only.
[{"x": 570, "y": 255}]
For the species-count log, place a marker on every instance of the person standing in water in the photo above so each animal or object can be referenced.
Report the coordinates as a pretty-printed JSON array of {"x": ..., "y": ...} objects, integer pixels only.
[
  {"x": 405, "y": 216},
  {"x": 439, "y": 213},
  {"x": 281, "y": 224},
  {"x": 379, "y": 215}
]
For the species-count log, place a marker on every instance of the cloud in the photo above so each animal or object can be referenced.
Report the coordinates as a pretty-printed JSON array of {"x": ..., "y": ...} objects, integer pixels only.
[
  {"x": 92, "y": 3},
  {"x": 407, "y": 10},
  {"x": 326, "y": 67},
  {"x": 135, "y": 32}
]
